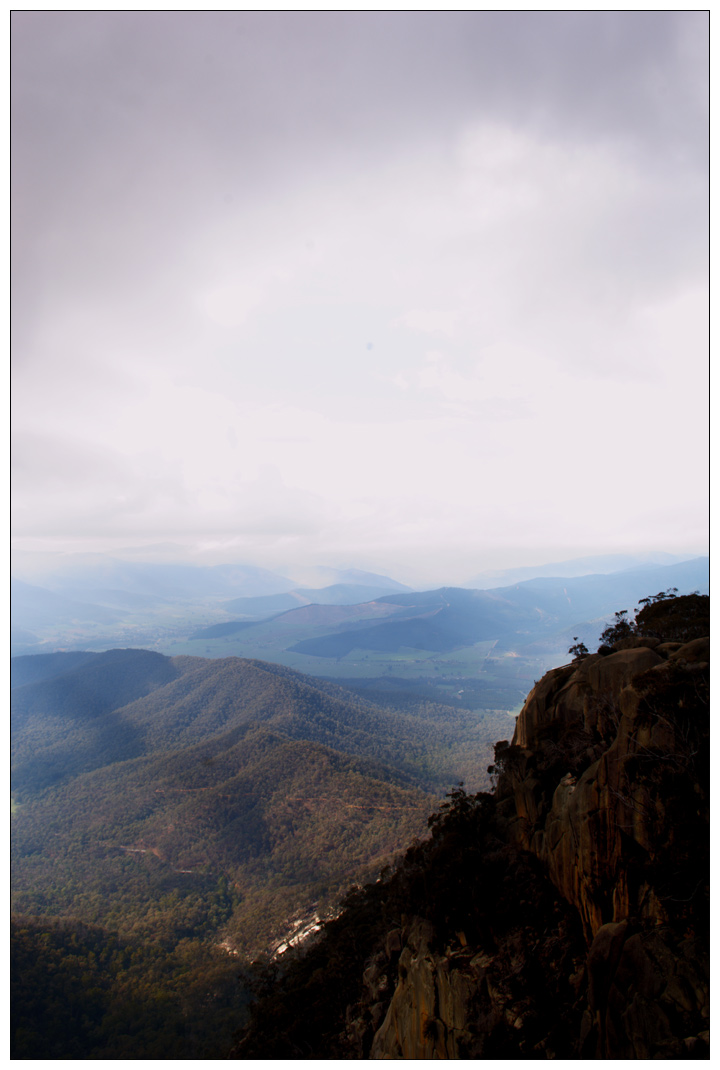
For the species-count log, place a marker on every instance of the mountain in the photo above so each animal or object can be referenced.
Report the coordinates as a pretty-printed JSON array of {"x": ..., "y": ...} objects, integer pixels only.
[
  {"x": 323, "y": 576},
  {"x": 453, "y": 618},
  {"x": 140, "y": 780},
  {"x": 286, "y": 822},
  {"x": 564, "y": 915},
  {"x": 95, "y": 601},
  {"x": 337, "y": 594},
  {"x": 64, "y": 720},
  {"x": 76, "y": 712},
  {"x": 84, "y": 576},
  {"x": 38, "y": 607},
  {"x": 577, "y": 566}
]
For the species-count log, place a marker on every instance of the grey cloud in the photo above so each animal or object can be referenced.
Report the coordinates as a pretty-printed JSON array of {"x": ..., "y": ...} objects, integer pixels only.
[
  {"x": 132, "y": 128},
  {"x": 337, "y": 75},
  {"x": 238, "y": 201}
]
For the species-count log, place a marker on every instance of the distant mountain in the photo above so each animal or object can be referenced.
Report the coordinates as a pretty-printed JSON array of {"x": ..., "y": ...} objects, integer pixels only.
[
  {"x": 22, "y": 641},
  {"x": 230, "y": 627},
  {"x": 453, "y": 618},
  {"x": 87, "y": 574},
  {"x": 577, "y": 566},
  {"x": 322, "y": 576},
  {"x": 37, "y": 607},
  {"x": 337, "y": 594}
]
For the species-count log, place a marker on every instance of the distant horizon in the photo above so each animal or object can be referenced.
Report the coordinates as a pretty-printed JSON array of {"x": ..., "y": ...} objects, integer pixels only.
[{"x": 414, "y": 578}]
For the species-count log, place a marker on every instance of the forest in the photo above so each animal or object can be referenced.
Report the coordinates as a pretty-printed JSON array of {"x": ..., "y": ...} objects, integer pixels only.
[{"x": 174, "y": 818}]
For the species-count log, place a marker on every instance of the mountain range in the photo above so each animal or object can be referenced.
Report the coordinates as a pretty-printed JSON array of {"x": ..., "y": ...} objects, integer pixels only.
[
  {"x": 95, "y": 600},
  {"x": 536, "y": 616},
  {"x": 576, "y": 566}
]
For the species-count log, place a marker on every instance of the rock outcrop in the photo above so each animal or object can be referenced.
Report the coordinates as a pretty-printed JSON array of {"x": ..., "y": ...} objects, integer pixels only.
[
  {"x": 606, "y": 783},
  {"x": 632, "y": 731}
]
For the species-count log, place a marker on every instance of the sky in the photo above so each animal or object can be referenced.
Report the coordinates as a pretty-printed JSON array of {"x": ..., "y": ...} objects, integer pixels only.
[{"x": 422, "y": 293}]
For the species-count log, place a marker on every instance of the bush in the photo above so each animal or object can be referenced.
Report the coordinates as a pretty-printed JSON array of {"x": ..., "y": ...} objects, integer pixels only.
[{"x": 678, "y": 619}]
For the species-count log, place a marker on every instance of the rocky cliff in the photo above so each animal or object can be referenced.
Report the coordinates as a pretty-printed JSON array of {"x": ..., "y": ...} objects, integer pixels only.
[
  {"x": 605, "y": 783},
  {"x": 563, "y": 916}
]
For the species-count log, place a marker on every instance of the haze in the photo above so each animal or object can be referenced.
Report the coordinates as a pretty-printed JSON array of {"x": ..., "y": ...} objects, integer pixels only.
[{"x": 420, "y": 293}]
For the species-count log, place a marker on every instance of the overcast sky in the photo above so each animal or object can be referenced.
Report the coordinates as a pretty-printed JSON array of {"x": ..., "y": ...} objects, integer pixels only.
[{"x": 423, "y": 293}]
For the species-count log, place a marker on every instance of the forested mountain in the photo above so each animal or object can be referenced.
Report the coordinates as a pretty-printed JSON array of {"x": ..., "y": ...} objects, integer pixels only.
[
  {"x": 287, "y": 823},
  {"x": 65, "y": 721},
  {"x": 157, "y": 776},
  {"x": 192, "y": 813},
  {"x": 123, "y": 704}
]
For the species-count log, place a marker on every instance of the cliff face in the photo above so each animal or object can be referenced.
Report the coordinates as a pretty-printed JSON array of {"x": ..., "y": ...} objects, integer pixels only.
[
  {"x": 605, "y": 787},
  {"x": 564, "y": 916},
  {"x": 631, "y": 732}
]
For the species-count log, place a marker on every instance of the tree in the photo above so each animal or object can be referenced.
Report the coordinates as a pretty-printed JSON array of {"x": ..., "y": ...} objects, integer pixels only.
[
  {"x": 578, "y": 650},
  {"x": 621, "y": 629}
]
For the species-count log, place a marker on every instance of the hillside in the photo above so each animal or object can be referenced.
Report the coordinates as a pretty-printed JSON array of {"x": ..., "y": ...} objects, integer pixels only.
[
  {"x": 82, "y": 712},
  {"x": 141, "y": 780},
  {"x": 80, "y": 992},
  {"x": 94, "y": 576},
  {"x": 565, "y": 915},
  {"x": 139, "y": 846}
]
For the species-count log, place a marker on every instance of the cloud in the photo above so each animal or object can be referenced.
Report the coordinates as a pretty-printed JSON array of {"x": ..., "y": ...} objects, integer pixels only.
[{"x": 215, "y": 213}]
